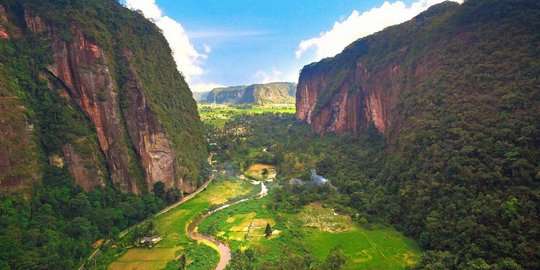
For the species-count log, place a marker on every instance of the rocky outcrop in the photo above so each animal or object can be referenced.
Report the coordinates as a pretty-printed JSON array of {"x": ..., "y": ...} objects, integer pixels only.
[
  {"x": 362, "y": 98},
  {"x": 151, "y": 143},
  {"x": 137, "y": 142},
  {"x": 82, "y": 68},
  {"x": 361, "y": 87},
  {"x": 3, "y": 22},
  {"x": 270, "y": 93}
]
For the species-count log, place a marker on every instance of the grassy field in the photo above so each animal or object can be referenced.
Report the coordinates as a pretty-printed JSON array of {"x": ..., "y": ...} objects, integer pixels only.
[
  {"x": 375, "y": 248},
  {"x": 172, "y": 228},
  {"x": 235, "y": 227},
  {"x": 379, "y": 248},
  {"x": 311, "y": 232},
  {"x": 217, "y": 115},
  {"x": 315, "y": 230}
]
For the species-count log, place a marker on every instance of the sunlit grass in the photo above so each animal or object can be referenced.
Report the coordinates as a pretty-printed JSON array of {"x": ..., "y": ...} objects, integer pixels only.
[
  {"x": 172, "y": 227},
  {"x": 218, "y": 114},
  {"x": 314, "y": 229},
  {"x": 377, "y": 248}
]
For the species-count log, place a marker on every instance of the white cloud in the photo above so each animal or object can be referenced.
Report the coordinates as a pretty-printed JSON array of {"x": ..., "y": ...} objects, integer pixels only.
[
  {"x": 359, "y": 25},
  {"x": 187, "y": 58},
  {"x": 262, "y": 76},
  {"x": 275, "y": 75},
  {"x": 204, "y": 87}
]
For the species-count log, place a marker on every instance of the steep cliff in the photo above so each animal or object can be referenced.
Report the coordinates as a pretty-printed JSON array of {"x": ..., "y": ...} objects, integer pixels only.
[
  {"x": 141, "y": 123},
  {"x": 270, "y": 93},
  {"x": 370, "y": 81},
  {"x": 3, "y": 22},
  {"x": 455, "y": 94}
]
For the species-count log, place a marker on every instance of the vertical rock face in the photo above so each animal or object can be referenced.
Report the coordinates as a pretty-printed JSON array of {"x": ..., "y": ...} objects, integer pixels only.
[
  {"x": 3, "y": 21},
  {"x": 362, "y": 98},
  {"x": 128, "y": 108},
  {"x": 361, "y": 86},
  {"x": 82, "y": 68},
  {"x": 152, "y": 144}
]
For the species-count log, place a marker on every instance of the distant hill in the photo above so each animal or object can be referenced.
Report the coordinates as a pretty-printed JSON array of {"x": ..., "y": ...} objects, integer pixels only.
[
  {"x": 270, "y": 93},
  {"x": 200, "y": 96}
]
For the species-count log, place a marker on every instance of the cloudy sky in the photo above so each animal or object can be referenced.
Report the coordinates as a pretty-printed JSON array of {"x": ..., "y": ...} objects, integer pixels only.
[{"x": 233, "y": 42}]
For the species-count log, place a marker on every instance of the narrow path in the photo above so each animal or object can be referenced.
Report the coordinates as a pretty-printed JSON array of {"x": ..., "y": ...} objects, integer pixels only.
[
  {"x": 165, "y": 210},
  {"x": 223, "y": 250}
]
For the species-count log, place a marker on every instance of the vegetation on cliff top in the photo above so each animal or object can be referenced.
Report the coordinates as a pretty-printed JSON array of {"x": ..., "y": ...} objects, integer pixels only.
[
  {"x": 55, "y": 227},
  {"x": 115, "y": 29},
  {"x": 260, "y": 94},
  {"x": 461, "y": 170},
  {"x": 54, "y": 222}
]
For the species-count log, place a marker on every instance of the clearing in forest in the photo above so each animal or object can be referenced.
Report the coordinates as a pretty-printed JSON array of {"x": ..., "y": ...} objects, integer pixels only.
[
  {"x": 315, "y": 229},
  {"x": 172, "y": 226},
  {"x": 380, "y": 247}
]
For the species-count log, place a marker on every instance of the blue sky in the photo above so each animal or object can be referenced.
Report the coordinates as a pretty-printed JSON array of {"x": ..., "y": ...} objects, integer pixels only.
[
  {"x": 232, "y": 42},
  {"x": 258, "y": 36}
]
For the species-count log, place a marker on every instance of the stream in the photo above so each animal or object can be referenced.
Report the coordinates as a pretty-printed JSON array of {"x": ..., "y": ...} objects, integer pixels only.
[{"x": 223, "y": 250}]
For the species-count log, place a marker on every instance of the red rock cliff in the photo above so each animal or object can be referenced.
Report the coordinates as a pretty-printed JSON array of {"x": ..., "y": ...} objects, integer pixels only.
[
  {"x": 362, "y": 86},
  {"x": 132, "y": 140},
  {"x": 82, "y": 68},
  {"x": 3, "y": 21},
  {"x": 150, "y": 140},
  {"x": 362, "y": 98}
]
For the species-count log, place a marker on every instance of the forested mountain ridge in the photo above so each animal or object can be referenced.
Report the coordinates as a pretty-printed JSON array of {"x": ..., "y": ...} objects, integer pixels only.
[
  {"x": 123, "y": 117},
  {"x": 90, "y": 122},
  {"x": 455, "y": 93},
  {"x": 268, "y": 93}
]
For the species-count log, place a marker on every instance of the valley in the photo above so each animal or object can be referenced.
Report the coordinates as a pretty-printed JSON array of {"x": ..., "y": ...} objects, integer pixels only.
[
  {"x": 129, "y": 141},
  {"x": 176, "y": 240},
  {"x": 312, "y": 234}
]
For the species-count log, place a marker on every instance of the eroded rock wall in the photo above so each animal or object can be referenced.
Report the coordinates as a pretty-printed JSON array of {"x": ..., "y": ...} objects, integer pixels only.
[
  {"x": 102, "y": 79},
  {"x": 361, "y": 87}
]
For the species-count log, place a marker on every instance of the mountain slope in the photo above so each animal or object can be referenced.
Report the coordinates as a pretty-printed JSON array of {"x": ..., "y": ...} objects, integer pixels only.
[
  {"x": 89, "y": 123},
  {"x": 270, "y": 93},
  {"x": 455, "y": 93},
  {"x": 126, "y": 117}
]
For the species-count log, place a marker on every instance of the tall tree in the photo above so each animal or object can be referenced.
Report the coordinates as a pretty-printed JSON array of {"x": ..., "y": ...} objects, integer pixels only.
[{"x": 268, "y": 230}]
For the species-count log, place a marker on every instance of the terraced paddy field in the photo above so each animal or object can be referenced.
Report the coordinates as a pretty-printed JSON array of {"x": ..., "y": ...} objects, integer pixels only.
[
  {"x": 380, "y": 248},
  {"x": 172, "y": 225},
  {"x": 314, "y": 230}
]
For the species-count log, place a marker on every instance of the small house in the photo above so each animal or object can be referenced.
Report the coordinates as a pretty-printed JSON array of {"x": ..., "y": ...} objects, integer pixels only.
[{"x": 150, "y": 241}]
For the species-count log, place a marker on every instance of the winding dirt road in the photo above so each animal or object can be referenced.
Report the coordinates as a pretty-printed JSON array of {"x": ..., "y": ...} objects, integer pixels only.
[
  {"x": 223, "y": 250},
  {"x": 165, "y": 210}
]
